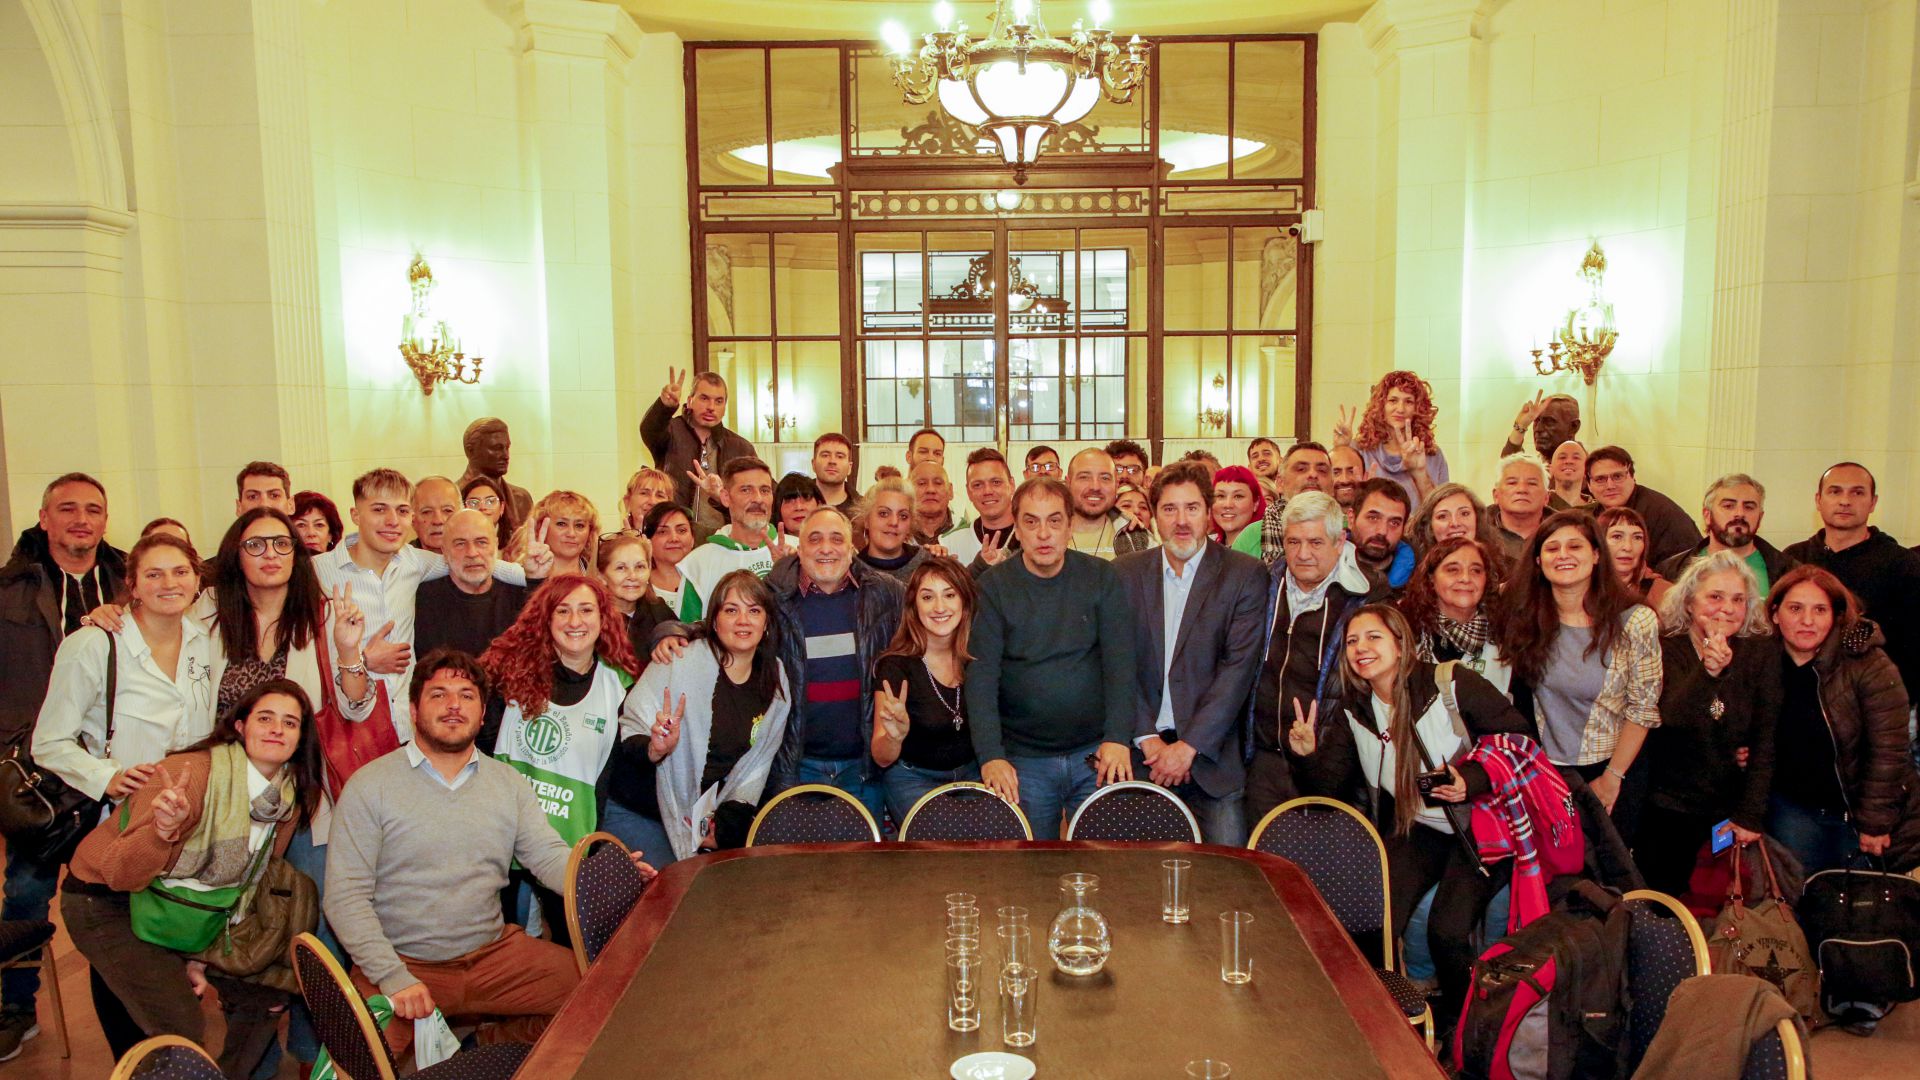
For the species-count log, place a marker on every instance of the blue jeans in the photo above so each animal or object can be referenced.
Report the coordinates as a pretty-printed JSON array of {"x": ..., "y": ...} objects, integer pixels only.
[
  {"x": 30, "y": 888},
  {"x": 1053, "y": 787},
  {"x": 906, "y": 783},
  {"x": 845, "y": 774},
  {"x": 1223, "y": 820},
  {"x": 640, "y": 833},
  {"x": 302, "y": 1043},
  {"x": 1822, "y": 839}
]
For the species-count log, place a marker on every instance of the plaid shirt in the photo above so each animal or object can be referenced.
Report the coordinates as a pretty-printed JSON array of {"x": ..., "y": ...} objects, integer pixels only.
[
  {"x": 1273, "y": 546},
  {"x": 1631, "y": 692}
]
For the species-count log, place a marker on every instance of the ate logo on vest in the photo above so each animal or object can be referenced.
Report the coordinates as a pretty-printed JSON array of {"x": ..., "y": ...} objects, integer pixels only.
[{"x": 546, "y": 737}]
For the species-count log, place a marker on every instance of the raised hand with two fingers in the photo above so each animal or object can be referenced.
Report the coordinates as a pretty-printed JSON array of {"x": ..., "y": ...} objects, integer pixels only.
[
  {"x": 1343, "y": 427},
  {"x": 538, "y": 560},
  {"x": 665, "y": 735},
  {"x": 890, "y": 707},
  {"x": 670, "y": 393},
  {"x": 171, "y": 807},
  {"x": 348, "y": 626},
  {"x": 1304, "y": 736}
]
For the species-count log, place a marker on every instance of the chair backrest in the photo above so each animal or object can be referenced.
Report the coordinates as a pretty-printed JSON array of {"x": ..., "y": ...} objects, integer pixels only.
[
  {"x": 1780, "y": 1054},
  {"x": 1134, "y": 810},
  {"x": 1343, "y": 857},
  {"x": 602, "y": 887},
  {"x": 167, "y": 1057},
  {"x": 964, "y": 810},
  {"x": 812, "y": 814},
  {"x": 340, "y": 1017},
  {"x": 1664, "y": 947}
]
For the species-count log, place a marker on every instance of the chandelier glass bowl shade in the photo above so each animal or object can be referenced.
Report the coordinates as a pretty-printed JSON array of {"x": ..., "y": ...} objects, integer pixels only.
[{"x": 1019, "y": 84}]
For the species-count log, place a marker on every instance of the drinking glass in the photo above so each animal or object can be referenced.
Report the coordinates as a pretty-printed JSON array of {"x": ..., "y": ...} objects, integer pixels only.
[
  {"x": 1016, "y": 944},
  {"x": 1019, "y": 986},
  {"x": 962, "y": 899},
  {"x": 964, "y": 968},
  {"x": 1011, "y": 915},
  {"x": 1208, "y": 1069},
  {"x": 963, "y": 923},
  {"x": 1236, "y": 954},
  {"x": 1175, "y": 877}
]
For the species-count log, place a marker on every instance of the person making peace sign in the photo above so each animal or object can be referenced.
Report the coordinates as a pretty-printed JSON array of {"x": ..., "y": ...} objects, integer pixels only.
[{"x": 920, "y": 733}]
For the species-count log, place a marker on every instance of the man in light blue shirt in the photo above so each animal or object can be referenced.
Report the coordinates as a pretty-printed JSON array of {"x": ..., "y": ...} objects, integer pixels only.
[{"x": 1197, "y": 633}]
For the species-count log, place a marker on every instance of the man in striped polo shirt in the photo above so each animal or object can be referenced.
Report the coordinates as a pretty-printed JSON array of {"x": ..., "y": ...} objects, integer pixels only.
[{"x": 836, "y": 615}]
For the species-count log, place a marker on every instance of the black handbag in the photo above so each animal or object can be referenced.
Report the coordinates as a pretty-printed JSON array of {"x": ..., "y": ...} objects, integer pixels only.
[
  {"x": 1864, "y": 926},
  {"x": 42, "y": 816}
]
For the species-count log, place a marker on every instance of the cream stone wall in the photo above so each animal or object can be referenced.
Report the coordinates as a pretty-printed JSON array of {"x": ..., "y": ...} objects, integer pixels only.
[{"x": 207, "y": 208}]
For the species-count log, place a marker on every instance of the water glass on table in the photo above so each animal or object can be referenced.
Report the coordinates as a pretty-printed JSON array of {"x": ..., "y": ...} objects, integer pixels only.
[
  {"x": 964, "y": 968},
  {"x": 1019, "y": 990},
  {"x": 1176, "y": 876},
  {"x": 1236, "y": 954},
  {"x": 1016, "y": 944},
  {"x": 1208, "y": 1069}
]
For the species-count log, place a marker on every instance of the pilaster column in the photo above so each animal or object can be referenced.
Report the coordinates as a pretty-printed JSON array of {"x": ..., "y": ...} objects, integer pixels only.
[
  {"x": 574, "y": 59},
  {"x": 1431, "y": 64}
]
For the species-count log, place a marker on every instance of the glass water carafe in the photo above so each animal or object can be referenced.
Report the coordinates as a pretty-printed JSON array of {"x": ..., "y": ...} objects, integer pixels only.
[{"x": 1079, "y": 939}]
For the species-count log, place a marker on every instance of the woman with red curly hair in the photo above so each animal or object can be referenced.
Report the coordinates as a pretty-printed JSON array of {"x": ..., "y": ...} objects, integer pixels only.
[
  {"x": 1396, "y": 434},
  {"x": 560, "y": 674}
]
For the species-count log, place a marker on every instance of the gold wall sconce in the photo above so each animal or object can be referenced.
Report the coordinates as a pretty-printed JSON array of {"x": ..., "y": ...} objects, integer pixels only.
[{"x": 432, "y": 350}]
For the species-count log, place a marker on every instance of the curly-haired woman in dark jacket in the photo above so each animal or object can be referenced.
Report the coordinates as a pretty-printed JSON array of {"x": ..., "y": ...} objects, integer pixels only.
[{"x": 1843, "y": 726}]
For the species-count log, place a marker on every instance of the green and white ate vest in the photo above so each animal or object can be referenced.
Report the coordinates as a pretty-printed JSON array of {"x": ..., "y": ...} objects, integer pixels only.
[{"x": 563, "y": 750}]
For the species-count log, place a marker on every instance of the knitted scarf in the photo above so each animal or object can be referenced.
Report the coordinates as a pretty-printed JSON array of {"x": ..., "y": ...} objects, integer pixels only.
[{"x": 218, "y": 851}]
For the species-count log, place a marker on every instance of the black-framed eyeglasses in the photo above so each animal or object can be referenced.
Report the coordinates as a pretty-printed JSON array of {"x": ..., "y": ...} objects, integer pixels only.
[{"x": 257, "y": 546}]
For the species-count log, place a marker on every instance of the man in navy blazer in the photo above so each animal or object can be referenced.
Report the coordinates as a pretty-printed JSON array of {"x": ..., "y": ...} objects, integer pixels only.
[{"x": 1197, "y": 608}]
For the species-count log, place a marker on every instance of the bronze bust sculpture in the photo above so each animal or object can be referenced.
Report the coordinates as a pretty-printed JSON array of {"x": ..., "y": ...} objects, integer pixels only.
[{"x": 488, "y": 448}]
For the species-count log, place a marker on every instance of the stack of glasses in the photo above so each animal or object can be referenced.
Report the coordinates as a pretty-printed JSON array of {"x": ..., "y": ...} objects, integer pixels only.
[{"x": 966, "y": 965}]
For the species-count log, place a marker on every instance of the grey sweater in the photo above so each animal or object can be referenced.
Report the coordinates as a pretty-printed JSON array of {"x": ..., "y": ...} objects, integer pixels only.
[{"x": 416, "y": 870}]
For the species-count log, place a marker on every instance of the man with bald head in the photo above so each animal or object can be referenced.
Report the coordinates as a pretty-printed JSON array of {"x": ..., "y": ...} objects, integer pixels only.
[
  {"x": 1554, "y": 419},
  {"x": 468, "y": 608},
  {"x": 932, "y": 500},
  {"x": 435, "y": 498},
  {"x": 1099, "y": 528},
  {"x": 488, "y": 448}
]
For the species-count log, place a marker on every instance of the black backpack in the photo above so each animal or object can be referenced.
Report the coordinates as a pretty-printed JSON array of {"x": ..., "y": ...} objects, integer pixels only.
[
  {"x": 1864, "y": 928},
  {"x": 1550, "y": 1001}
]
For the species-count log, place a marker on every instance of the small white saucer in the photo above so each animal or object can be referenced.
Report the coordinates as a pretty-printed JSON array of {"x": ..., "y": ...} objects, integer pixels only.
[{"x": 992, "y": 1065}]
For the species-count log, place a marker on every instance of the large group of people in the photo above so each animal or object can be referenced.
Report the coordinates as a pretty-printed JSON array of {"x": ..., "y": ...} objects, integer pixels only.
[{"x": 1340, "y": 620}]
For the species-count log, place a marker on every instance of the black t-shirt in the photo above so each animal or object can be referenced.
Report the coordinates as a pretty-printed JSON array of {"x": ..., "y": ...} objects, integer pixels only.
[
  {"x": 445, "y": 616},
  {"x": 937, "y": 736},
  {"x": 1803, "y": 745},
  {"x": 735, "y": 708}
]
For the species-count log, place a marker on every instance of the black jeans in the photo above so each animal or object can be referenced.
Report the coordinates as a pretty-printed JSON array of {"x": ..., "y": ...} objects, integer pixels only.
[
  {"x": 1269, "y": 783},
  {"x": 1425, "y": 858}
]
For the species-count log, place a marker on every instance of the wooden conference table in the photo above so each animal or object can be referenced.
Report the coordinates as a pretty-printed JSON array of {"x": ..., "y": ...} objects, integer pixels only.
[{"x": 825, "y": 961}]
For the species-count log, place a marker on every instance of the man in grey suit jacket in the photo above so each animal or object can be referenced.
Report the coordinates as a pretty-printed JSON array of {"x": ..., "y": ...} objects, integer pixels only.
[{"x": 1197, "y": 608}]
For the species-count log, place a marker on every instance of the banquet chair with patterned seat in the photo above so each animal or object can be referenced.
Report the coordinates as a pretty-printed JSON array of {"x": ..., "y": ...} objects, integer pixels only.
[
  {"x": 1780, "y": 1054},
  {"x": 602, "y": 887},
  {"x": 167, "y": 1057},
  {"x": 812, "y": 814},
  {"x": 1341, "y": 853},
  {"x": 351, "y": 1038},
  {"x": 1664, "y": 948},
  {"x": 965, "y": 810},
  {"x": 1134, "y": 810}
]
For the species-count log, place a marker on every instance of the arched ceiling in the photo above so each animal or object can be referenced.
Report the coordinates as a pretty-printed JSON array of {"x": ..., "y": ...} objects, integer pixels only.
[{"x": 861, "y": 19}]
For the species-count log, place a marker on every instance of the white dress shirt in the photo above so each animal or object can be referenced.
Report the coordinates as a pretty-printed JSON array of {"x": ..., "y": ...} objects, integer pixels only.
[
  {"x": 153, "y": 715},
  {"x": 389, "y": 596},
  {"x": 1175, "y": 587}
]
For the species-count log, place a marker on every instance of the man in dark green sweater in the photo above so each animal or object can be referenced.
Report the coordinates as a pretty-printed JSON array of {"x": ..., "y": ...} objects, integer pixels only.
[{"x": 1048, "y": 690}]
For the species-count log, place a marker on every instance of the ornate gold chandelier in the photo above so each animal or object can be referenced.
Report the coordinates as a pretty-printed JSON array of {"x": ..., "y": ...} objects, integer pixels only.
[
  {"x": 431, "y": 350},
  {"x": 1584, "y": 340},
  {"x": 1018, "y": 84}
]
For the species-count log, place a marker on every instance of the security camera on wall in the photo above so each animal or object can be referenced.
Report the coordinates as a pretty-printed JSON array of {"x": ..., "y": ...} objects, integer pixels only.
[{"x": 1312, "y": 224}]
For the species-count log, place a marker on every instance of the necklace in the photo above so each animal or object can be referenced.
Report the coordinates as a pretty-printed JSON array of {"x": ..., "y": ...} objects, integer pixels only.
[{"x": 940, "y": 694}]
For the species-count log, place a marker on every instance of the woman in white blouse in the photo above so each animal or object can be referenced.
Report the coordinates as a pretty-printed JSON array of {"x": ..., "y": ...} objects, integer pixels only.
[{"x": 164, "y": 692}]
